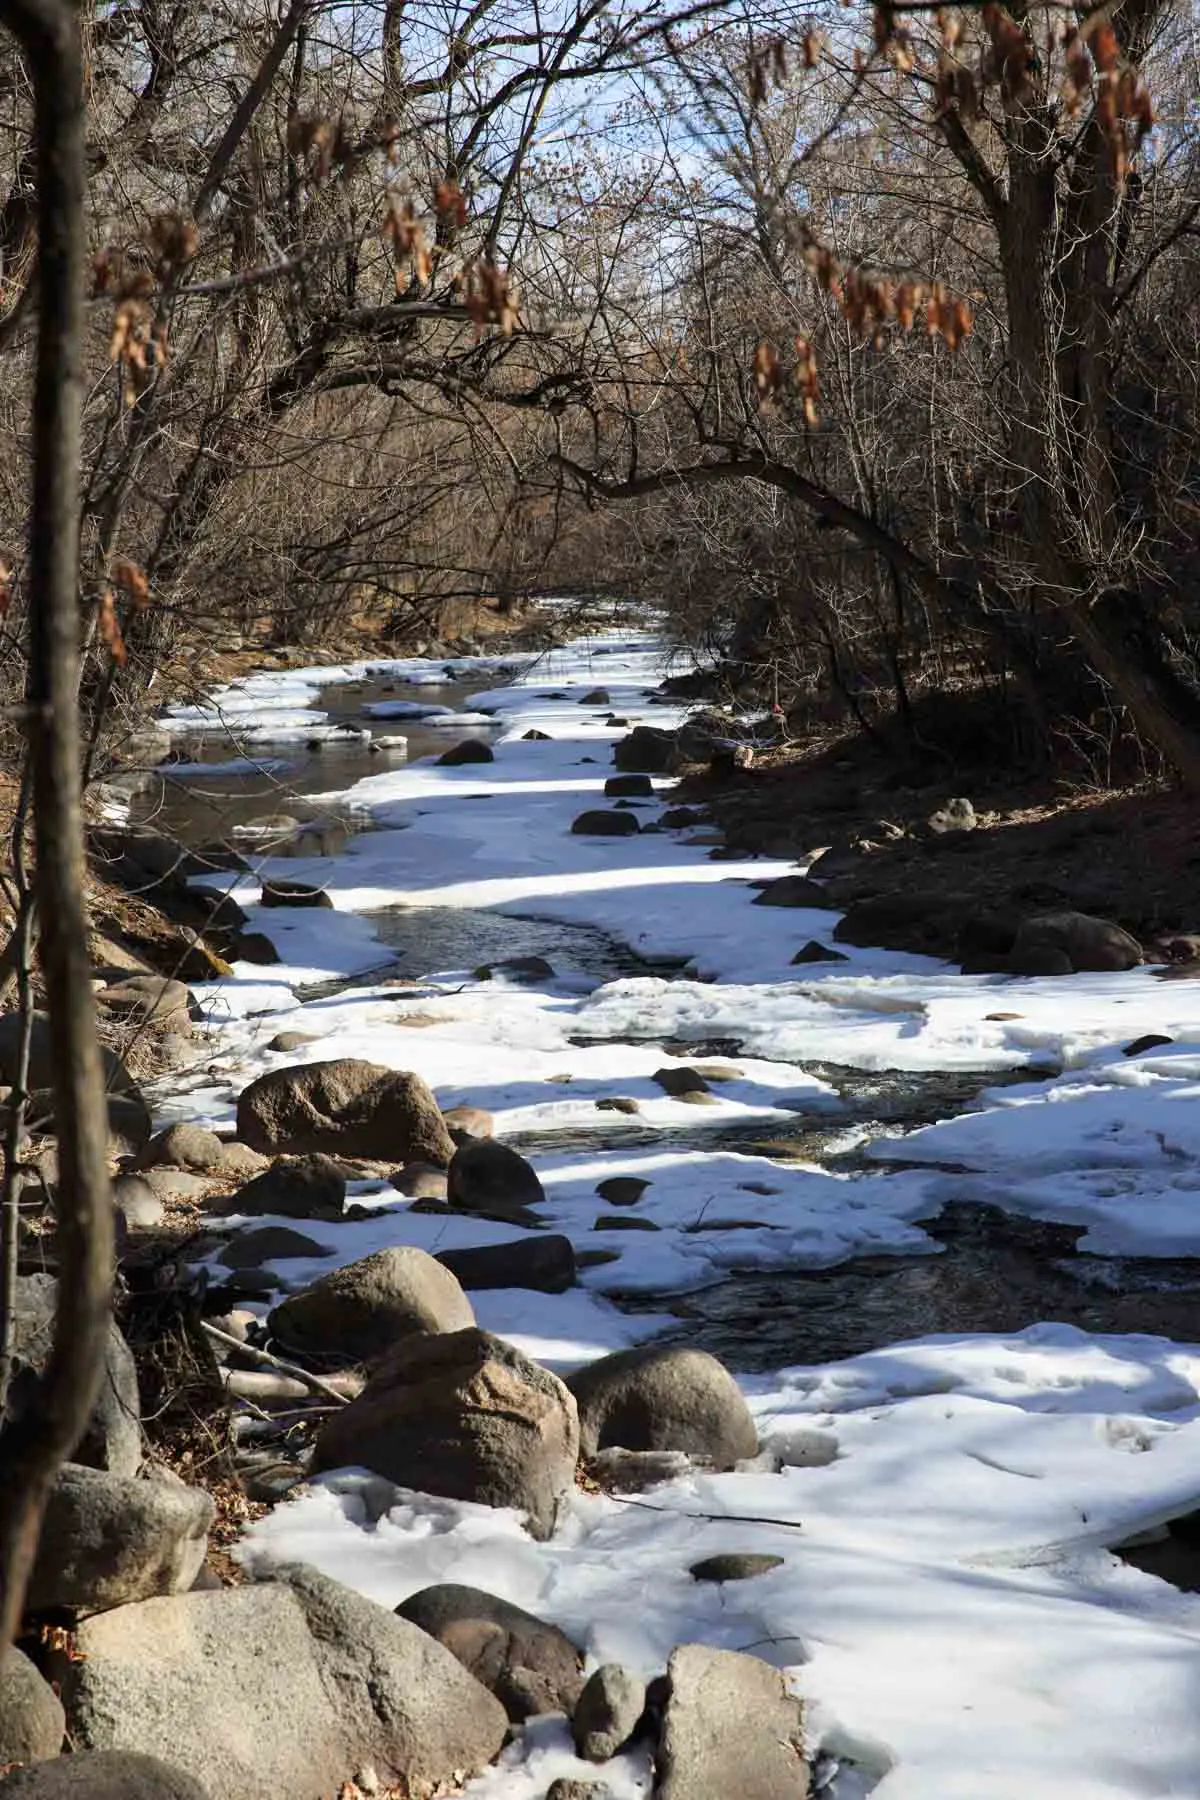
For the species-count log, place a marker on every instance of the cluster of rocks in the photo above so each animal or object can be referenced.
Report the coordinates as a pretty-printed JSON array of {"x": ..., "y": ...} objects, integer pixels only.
[{"x": 176, "y": 1686}]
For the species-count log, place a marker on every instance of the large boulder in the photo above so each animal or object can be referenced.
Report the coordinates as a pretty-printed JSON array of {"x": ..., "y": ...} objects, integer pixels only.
[
  {"x": 347, "y": 1107},
  {"x": 647, "y": 751},
  {"x": 102, "y": 1775},
  {"x": 284, "y": 1688},
  {"x": 361, "y": 1310},
  {"x": 1066, "y": 943},
  {"x": 665, "y": 1398},
  {"x": 32, "y": 1721},
  {"x": 465, "y": 1415},
  {"x": 44, "y": 1056},
  {"x": 109, "y": 1539},
  {"x": 530, "y": 1666},
  {"x": 490, "y": 1177},
  {"x": 730, "y": 1727},
  {"x": 544, "y": 1261},
  {"x": 113, "y": 1438}
]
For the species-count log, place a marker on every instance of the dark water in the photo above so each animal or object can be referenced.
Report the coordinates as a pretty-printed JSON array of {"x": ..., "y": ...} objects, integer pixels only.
[
  {"x": 429, "y": 940},
  {"x": 198, "y": 811},
  {"x": 995, "y": 1273}
]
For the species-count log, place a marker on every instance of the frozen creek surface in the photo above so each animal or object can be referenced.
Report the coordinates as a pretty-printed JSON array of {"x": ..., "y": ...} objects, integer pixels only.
[{"x": 948, "y": 1603}]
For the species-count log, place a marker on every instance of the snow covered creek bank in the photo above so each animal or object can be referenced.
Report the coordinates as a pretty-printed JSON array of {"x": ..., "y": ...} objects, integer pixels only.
[{"x": 945, "y": 1459}]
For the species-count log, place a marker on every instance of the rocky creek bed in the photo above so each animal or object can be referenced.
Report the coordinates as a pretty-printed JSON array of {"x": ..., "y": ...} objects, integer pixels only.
[{"x": 457, "y": 1215}]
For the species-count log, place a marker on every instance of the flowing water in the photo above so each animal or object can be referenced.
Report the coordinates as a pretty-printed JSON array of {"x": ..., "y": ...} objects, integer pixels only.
[{"x": 990, "y": 1271}]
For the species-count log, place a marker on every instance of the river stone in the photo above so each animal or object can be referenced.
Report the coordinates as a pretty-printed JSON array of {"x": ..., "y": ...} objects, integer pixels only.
[
  {"x": 281, "y": 1690},
  {"x": 629, "y": 787},
  {"x": 109, "y": 1539},
  {"x": 489, "y": 1177},
  {"x": 730, "y": 1728},
  {"x": 664, "y": 1398},
  {"x": 138, "y": 1204},
  {"x": 43, "y": 1056},
  {"x": 607, "y": 1712},
  {"x": 32, "y": 1721},
  {"x": 813, "y": 952},
  {"x": 680, "y": 1083},
  {"x": 294, "y": 1187},
  {"x": 469, "y": 1121},
  {"x": 359, "y": 1311},
  {"x": 281, "y": 892},
  {"x": 544, "y": 1262},
  {"x": 734, "y": 1565},
  {"x": 129, "y": 1123},
  {"x": 517, "y": 968},
  {"x": 619, "y": 1103},
  {"x": 151, "y": 1000},
  {"x": 113, "y": 1439},
  {"x": 347, "y": 1107},
  {"x": 682, "y": 818},
  {"x": 267, "y": 1244},
  {"x": 464, "y": 1415},
  {"x": 421, "y": 1181},
  {"x": 471, "y": 750},
  {"x": 622, "y": 1190},
  {"x": 599, "y": 823},
  {"x": 183, "y": 1146},
  {"x": 1067, "y": 943},
  {"x": 531, "y": 1667},
  {"x": 102, "y": 1775},
  {"x": 792, "y": 890},
  {"x": 647, "y": 751},
  {"x": 254, "y": 947},
  {"x": 623, "y": 1222}
]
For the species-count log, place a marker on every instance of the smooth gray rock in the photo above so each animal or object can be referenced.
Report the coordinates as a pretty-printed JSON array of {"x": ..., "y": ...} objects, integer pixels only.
[
  {"x": 294, "y": 1187},
  {"x": 666, "y": 1398},
  {"x": 113, "y": 1439},
  {"x": 734, "y": 1565},
  {"x": 471, "y": 750},
  {"x": 648, "y": 750},
  {"x": 792, "y": 890},
  {"x": 285, "y": 1688},
  {"x": 730, "y": 1728},
  {"x": 110, "y": 1539},
  {"x": 183, "y": 1146},
  {"x": 489, "y": 1177},
  {"x": 102, "y": 1775},
  {"x": 266, "y": 1244},
  {"x": 362, "y": 1309},
  {"x": 1071, "y": 942},
  {"x": 544, "y": 1261},
  {"x": 530, "y": 1666},
  {"x": 680, "y": 1082},
  {"x": 607, "y": 1712},
  {"x": 465, "y": 1415},
  {"x": 346, "y": 1107},
  {"x": 32, "y": 1721},
  {"x": 596, "y": 822}
]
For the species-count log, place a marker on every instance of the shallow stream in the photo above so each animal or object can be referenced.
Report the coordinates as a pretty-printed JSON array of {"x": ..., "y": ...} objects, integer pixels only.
[{"x": 992, "y": 1271}]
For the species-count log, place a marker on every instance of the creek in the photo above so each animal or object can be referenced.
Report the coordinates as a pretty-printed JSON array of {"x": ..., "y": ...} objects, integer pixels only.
[{"x": 989, "y": 1270}]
